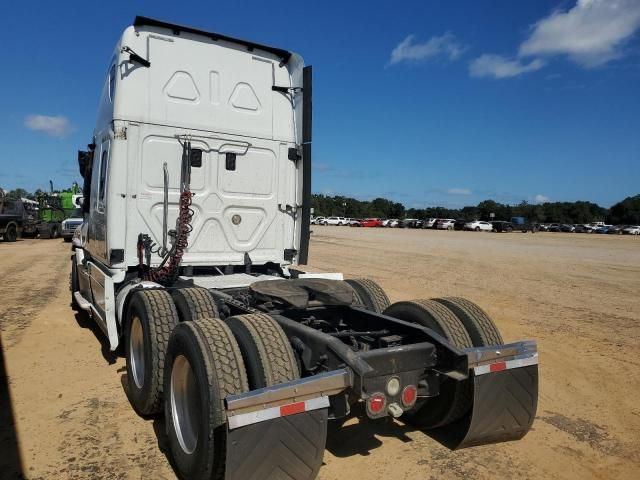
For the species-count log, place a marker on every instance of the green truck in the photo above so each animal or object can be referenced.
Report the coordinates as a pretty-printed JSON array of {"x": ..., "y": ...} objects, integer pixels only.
[{"x": 53, "y": 209}]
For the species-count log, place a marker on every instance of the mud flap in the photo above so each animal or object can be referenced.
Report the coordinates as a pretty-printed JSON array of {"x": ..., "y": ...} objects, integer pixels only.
[
  {"x": 504, "y": 406},
  {"x": 288, "y": 447}
]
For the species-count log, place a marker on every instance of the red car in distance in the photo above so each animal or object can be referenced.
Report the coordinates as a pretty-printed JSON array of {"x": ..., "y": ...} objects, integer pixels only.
[{"x": 371, "y": 222}]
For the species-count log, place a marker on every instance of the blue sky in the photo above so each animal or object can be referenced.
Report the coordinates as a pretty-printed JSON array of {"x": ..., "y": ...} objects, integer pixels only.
[{"x": 426, "y": 102}]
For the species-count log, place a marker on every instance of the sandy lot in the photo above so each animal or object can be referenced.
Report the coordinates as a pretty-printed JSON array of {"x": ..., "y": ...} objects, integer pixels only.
[{"x": 578, "y": 295}]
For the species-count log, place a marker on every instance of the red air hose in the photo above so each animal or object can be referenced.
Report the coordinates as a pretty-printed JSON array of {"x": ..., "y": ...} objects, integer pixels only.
[{"x": 167, "y": 272}]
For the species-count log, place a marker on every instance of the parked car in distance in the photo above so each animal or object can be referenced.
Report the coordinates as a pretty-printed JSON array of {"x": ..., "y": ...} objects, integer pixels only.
[
  {"x": 353, "y": 222},
  {"x": 411, "y": 223},
  {"x": 632, "y": 230},
  {"x": 371, "y": 222},
  {"x": 429, "y": 223},
  {"x": 567, "y": 228},
  {"x": 522, "y": 224},
  {"x": 501, "y": 226},
  {"x": 554, "y": 227},
  {"x": 317, "y": 220},
  {"x": 582, "y": 228},
  {"x": 459, "y": 224},
  {"x": 334, "y": 221},
  {"x": 602, "y": 229},
  {"x": 543, "y": 227},
  {"x": 478, "y": 226},
  {"x": 616, "y": 229},
  {"x": 393, "y": 223},
  {"x": 445, "y": 224}
]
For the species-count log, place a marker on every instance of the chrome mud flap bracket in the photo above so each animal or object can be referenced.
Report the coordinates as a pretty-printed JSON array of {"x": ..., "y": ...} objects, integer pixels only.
[
  {"x": 281, "y": 431},
  {"x": 505, "y": 397}
]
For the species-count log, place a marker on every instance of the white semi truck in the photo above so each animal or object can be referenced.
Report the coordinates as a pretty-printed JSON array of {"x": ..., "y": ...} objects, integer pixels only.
[{"x": 197, "y": 188}]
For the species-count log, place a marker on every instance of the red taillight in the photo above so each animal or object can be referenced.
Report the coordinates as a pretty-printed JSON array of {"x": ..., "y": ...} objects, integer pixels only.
[
  {"x": 376, "y": 403},
  {"x": 409, "y": 395}
]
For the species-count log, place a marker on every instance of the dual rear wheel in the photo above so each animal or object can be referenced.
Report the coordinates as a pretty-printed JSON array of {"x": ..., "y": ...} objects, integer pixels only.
[
  {"x": 211, "y": 359},
  {"x": 464, "y": 324},
  {"x": 152, "y": 315},
  {"x": 460, "y": 321},
  {"x": 184, "y": 360}
]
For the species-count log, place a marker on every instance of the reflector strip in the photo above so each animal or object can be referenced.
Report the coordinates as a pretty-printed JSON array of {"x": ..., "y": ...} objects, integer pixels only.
[
  {"x": 244, "y": 419},
  {"x": 292, "y": 409},
  {"x": 500, "y": 366}
]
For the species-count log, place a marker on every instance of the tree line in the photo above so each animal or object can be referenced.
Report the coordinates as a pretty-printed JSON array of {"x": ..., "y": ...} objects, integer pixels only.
[
  {"x": 22, "y": 193},
  {"x": 626, "y": 211}
]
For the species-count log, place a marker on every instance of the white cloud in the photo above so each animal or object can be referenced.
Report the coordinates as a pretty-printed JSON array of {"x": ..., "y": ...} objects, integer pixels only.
[
  {"x": 411, "y": 51},
  {"x": 591, "y": 33},
  {"x": 322, "y": 167},
  {"x": 541, "y": 199},
  {"x": 53, "y": 126},
  {"x": 497, "y": 66},
  {"x": 459, "y": 191}
]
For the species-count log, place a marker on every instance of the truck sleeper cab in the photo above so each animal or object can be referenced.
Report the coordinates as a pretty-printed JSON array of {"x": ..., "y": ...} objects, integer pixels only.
[{"x": 197, "y": 185}]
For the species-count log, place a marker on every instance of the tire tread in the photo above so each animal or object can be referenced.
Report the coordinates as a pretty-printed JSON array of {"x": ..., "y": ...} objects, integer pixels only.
[
  {"x": 163, "y": 318},
  {"x": 369, "y": 294},
  {"x": 278, "y": 360},
  {"x": 194, "y": 303},
  {"x": 459, "y": 393},
  {"x": 482, "y": 330}
]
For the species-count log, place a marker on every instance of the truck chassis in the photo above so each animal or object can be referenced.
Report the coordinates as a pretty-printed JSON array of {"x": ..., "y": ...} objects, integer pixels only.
[{"x": 278, "y": 358}]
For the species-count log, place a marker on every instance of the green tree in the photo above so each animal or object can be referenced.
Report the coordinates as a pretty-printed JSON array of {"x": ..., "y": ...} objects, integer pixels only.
[
  {"x": 626, "y": 212},
  {"x": 18, "y": 193}
]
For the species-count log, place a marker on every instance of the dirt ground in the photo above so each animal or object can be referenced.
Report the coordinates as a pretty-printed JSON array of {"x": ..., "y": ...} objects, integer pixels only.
[{"x": 577, "y": 295}]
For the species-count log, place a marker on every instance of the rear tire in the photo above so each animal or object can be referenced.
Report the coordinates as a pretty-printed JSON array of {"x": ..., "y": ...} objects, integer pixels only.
[
  {"x": 151, "y": 316},
  {"x": 194, "y": 304},
  {"x": 265, "y": 349},
  {"x": 292, "y": 446},
  {"x": 11, "y": 234},
  {"x": 204, "y": 366},
  {"x": 369, "y": 294},
  {"x": 455, "y": 397},
  {"x": 482, "y": 330}
]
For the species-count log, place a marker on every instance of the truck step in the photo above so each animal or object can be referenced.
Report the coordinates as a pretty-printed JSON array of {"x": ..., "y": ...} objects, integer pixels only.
[{"x": 81, "y": 301}]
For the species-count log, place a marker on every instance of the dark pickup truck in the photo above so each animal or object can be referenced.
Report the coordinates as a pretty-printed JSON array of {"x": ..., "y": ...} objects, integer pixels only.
[
  {"x": 12, "y": 215},
  {"x": 516, "y": 224}
]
